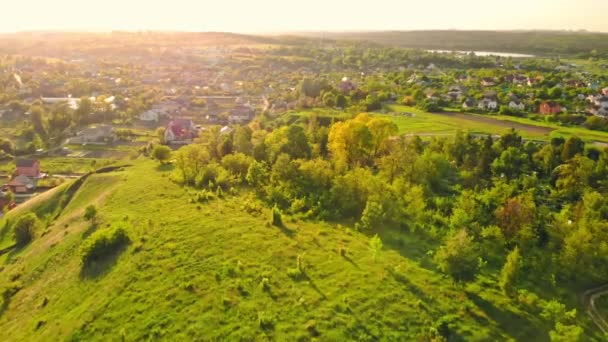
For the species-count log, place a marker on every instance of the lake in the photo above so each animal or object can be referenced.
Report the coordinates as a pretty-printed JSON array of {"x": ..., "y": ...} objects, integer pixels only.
[{"x": 487, "y": 53}]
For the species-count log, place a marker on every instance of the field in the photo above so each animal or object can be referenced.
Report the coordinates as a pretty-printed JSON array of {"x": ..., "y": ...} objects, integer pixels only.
[
  {"x": 424, "y": 123},
  {"x": 214, "y": 271}
]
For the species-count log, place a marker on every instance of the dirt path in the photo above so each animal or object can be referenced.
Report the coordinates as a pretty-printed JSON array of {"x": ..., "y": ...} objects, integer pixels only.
[
  {"x": 590, "y": 297},
  {"x": 503, "y": 123}
]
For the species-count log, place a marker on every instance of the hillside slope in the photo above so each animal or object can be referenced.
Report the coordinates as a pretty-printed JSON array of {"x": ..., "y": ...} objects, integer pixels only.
[{"x": 214, "y": 271}]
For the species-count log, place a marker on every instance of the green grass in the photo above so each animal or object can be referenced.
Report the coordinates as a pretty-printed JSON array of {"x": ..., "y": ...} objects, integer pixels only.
[
  {"x": 214, "y": 272},
  {"x": 424, "y": 123}
]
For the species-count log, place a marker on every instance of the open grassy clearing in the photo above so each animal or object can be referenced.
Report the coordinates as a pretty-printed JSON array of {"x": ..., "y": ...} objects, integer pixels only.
[
  {"x": 448, "y": 123},
  {"x": 215, "y": 272}
]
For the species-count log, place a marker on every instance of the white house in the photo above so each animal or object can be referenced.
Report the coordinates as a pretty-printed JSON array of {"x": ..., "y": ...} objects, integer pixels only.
[
  {"x": 151, "y": 115},
  {"x": 517, "y": 105},
  {"x": 488, "y": 104}
]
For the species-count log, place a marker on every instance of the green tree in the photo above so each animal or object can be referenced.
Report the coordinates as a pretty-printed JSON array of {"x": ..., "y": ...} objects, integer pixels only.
[
  {"x": 90, "y": 213},
  {"x": 161, "y": 153},
  {"x": 509, "y": 272},
  {"x": 25, "y": 228},
  {"x": 458, "y": 256},
  {"x": 242, "y": 140}
]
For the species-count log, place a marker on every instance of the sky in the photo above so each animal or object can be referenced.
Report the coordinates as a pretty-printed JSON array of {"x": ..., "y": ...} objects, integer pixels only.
[{"x": 254, "y": 16}]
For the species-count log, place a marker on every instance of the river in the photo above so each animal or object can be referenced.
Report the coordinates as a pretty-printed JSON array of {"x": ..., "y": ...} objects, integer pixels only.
[{"x": 487, "y": 53}]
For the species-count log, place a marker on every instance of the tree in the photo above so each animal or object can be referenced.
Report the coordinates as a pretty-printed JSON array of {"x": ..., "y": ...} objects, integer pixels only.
[
  {"x": 341, "y": 101},
  {"x": 160, "y": 134},
  {"x": 242, "y": 140},
  {"x": 329, "y": 99},
  {"x": 190, "y": 160},
  {"x": 90, "y": 213},
  {"x": 161, "y": 153},
  {"x": 511, "y": 163},
  {"x": 458, "y": 256},
  {"x": 572, "y": 147},
  {"x": 515, "y": 214},
  {"x": 508, "y": 274},
  {"x": 25, "y": 228},
  {"x": 375, "y": 247},
  {"x": 566, "y": 333}
]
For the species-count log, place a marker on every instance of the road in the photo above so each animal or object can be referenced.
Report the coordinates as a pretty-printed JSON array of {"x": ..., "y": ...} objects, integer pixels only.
[{"x": 590, "y": 297}]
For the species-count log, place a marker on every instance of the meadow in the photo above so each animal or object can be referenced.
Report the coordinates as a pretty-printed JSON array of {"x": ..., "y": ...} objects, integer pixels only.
[{"x": 219, "y": 271}]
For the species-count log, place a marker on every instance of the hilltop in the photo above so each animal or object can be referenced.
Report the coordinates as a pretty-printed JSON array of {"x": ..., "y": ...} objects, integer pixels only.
[{"x": 216, "y": 271}]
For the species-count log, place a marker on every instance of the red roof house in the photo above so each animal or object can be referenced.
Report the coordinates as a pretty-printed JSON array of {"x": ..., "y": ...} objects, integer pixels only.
[
  {"x": 550, "y": 108},
  {"x": 28, "y": 167}
]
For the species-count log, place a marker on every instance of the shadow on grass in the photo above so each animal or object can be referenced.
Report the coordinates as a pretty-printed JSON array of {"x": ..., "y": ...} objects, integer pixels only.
[
  {"x": 165, "y": 167},
  {"x": 313, "y": 285},
  {"x": 100, "y": 267},
  {"x": 90, "y": 230},
  {"x": 410, "y": 246},
  {"x": 411, "y": 287},
  {"x": 351, "y": 261},
  {"x": 285, "y": 230},
  {"x": 517, "y": 327}
]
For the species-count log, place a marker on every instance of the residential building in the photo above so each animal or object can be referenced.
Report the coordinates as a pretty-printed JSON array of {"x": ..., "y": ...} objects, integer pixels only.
[
  {"x": 21, "y": 184},
  {"x": 180, "y": 131},
  {"x": 28, "y": 168},
  {"x": 96, "y": 134},
  {"x": 550, "y": 107}
]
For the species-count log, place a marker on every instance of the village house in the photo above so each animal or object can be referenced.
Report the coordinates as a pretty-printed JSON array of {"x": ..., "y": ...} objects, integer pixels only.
[
  {"x": 516, "y": 104},
  {"x": 180, "y": 131},
  {"x": 550, "y": 107},
  {"x": 97, "y": 134},
  {"x": 488, "y": 102},
  {"x": 21, "y": 184},
  {"x": 151, "y": 115},
  {"x": 28, "y": 168},
  {"x": 241, "y": 113}
]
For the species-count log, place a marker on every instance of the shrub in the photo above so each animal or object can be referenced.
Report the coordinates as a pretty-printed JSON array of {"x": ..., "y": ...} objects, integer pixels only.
[
  {"x": 25, "y": 228},
  {"x": 161, "y": 153},
  {"x": 265, "y": 284},
  {"x": 277, "y": 219},
  {"x": 103, "y": 243},
  {"x": 265, "y": 321},
  {"x": 90, "y": 213}
]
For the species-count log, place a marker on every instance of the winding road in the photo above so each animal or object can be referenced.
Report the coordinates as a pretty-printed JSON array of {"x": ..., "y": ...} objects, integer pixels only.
[{"x": 590, "y": 297}]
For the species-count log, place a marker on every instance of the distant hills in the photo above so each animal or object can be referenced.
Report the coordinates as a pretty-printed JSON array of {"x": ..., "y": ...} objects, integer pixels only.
[{"x": 511, "y": 41}]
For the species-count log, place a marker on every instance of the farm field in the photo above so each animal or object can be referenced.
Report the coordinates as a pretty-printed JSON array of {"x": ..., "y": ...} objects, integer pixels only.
[{"x": 425, "y": 123}]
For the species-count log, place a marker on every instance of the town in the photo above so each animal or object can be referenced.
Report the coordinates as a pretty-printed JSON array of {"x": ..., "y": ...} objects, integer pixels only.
[{"x": 308, "y": 187}]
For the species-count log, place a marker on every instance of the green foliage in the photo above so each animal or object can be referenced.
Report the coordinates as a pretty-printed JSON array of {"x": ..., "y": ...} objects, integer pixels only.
[
  {"x": 277, "y": 217},
  {"x": 375, "y": 247},
  {"x": 566, "y": 333},
  {"x": 458, "y": 256},
  {"x": 161, "y": 153},
  {"x": 25, "y": 228},
  {"x": 90, "y": 213},
  {"x": 103, "y": 243},
  {"x": 509, "y": 272}
]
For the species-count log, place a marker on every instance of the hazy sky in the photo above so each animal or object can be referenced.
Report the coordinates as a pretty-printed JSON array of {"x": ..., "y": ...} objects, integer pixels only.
[{"x": 302, "y": 15}]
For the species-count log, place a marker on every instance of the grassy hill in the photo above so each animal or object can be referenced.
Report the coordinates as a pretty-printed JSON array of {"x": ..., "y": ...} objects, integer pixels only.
[{"x": 220, "y": 271}]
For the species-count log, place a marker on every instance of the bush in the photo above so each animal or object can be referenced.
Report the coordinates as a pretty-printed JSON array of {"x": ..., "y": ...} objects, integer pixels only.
[
  {"x": 103, "y": 243},
  {"x": 161, "y": 153},
  {"x": 25, "y": 228},
  {"x": 277, "y": 219}
]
